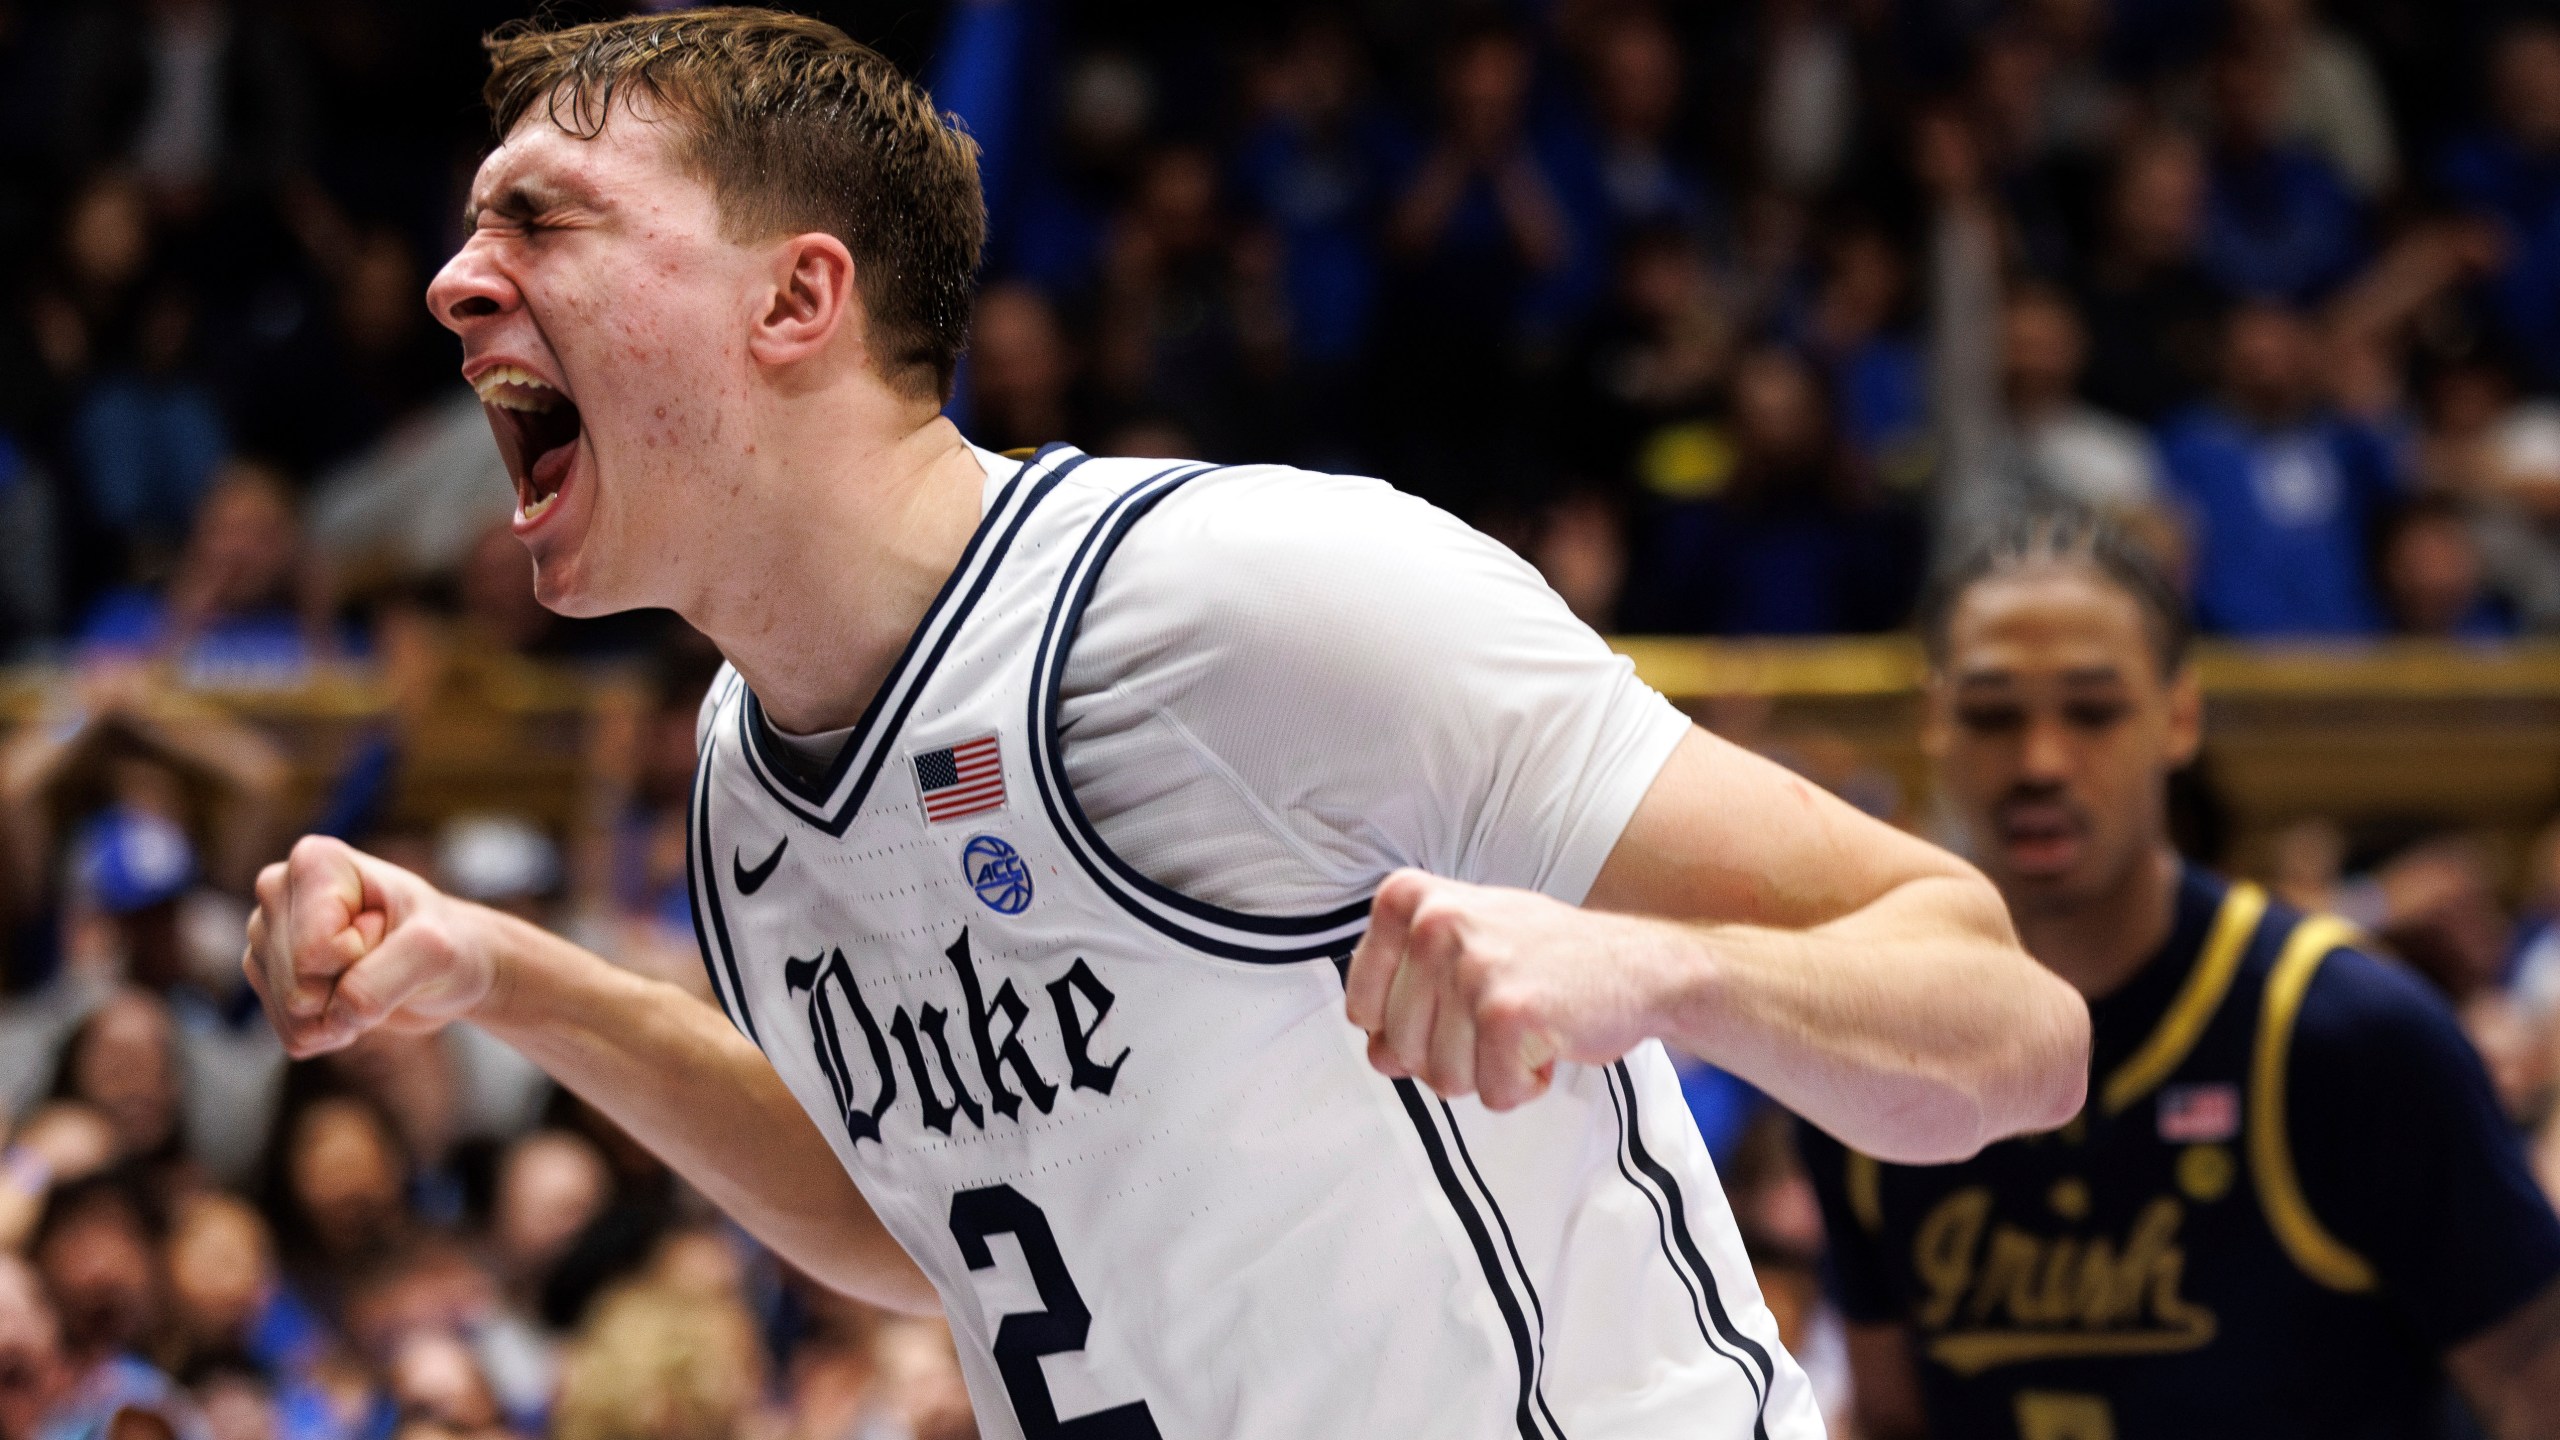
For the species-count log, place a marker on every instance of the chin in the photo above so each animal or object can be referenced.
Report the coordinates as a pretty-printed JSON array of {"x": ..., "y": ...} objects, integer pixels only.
[{"x": 563, "y": 591}]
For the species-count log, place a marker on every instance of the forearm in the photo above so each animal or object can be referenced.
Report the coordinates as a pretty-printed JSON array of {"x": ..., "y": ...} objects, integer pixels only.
[
  {"x": 1912, "y": 1028},
  {"x": 676, "y": 1075}
]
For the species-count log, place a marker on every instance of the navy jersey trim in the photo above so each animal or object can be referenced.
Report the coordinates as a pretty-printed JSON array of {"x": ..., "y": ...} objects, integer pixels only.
[
  {"x": 1528, "y": 1287},
  {"x": 817, "y": 803},
  {"x": 1216, "y": 930},
  {"x": 702, "y": 861},
  {"x": 1472, "y": 1221},
  {"x": 1671, "y": 1219}
]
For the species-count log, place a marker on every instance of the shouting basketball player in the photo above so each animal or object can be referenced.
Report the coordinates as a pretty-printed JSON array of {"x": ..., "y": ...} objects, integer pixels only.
[{"x": 1209, "y": 930}]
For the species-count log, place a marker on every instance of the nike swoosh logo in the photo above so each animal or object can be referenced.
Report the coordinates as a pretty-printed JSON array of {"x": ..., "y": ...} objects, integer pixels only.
[{"x": 751, "y": 881}]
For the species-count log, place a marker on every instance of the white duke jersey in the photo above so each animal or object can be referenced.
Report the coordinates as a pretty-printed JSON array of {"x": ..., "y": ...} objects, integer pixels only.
[{"x": 1131, "y": 1136}]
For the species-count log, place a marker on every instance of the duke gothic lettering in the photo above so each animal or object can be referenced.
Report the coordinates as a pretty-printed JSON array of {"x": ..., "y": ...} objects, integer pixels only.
[{"x": 942, "y": 1091}]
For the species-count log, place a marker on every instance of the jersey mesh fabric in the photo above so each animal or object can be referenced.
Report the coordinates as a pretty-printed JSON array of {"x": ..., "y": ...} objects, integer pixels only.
[{"x": 1290, "y": 684}]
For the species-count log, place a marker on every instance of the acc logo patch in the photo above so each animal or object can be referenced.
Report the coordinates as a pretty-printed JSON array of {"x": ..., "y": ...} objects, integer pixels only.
[{"x": 996, "y": 872}]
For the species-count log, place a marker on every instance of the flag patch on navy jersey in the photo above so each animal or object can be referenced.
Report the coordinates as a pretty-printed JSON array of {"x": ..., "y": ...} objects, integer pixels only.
[
  {"x": 2199, "y": 1114},
  {"x": 960, "y": 780}
]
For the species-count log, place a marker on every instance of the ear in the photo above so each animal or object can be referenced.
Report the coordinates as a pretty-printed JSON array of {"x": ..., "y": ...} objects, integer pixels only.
[
  {"x": 2186, "y": 715},
  {"x": 809, "y": 301}
]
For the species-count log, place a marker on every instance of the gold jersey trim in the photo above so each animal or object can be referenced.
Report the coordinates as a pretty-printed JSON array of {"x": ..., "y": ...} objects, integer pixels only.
[
  {"x": 2183, "y": 1024},
  {"x": 2320, "y": 1254}
]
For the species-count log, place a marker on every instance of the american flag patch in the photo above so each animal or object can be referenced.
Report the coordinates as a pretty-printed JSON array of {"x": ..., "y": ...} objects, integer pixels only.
[
  {"x": 2199, "y": 1114},
  {"x": 960, "y": 780}
]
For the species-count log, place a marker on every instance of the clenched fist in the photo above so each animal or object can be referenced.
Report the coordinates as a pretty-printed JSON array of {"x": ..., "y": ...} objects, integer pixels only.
[
  {"x": 342, "y": 943},
  {"x": 1479, "y": 990}
]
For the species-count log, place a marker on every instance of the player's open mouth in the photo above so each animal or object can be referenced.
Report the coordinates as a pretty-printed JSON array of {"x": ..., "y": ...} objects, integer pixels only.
[{"x": 537, "y": 429}]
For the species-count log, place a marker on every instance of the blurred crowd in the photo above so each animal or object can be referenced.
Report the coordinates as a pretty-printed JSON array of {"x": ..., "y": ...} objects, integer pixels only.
[{"x": 1732, "y": 317}]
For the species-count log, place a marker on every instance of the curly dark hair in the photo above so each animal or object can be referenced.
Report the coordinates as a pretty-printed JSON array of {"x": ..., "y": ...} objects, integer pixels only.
[{"x": 2068, "y": 536}]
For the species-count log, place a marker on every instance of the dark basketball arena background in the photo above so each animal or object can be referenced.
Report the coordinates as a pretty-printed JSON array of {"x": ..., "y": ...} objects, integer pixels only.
[{"x": 1757, "y": 303}]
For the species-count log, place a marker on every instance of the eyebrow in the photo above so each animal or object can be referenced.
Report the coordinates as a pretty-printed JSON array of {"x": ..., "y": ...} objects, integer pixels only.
[
  {"x": 524, "y": 199},
  {"x": 2004, "y": 679}
]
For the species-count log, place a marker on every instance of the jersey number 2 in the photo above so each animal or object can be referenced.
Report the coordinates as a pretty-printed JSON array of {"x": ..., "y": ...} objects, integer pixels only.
[{"x": 1056, "y": 1328}]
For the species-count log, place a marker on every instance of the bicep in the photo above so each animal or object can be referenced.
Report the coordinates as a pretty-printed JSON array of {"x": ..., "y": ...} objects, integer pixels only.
[
  {"x": 1886, "y": 1384},
  {"x": 2511, "y": 1372},
  {"x": 1725, "y": 835}
]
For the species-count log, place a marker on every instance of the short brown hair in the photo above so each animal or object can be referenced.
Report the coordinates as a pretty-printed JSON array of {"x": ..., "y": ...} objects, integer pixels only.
[{"x": 796, "y": 127}]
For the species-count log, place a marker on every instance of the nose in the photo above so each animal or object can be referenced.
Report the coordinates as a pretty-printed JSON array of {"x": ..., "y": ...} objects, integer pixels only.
[
  {"x": 2046, "y": 751},
  {"x": 470, "y": 287}
]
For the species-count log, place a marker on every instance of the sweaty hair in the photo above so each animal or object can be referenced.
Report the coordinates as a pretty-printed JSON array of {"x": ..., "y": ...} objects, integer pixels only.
[
  {"x": 795, "y": 127},
  {"x": 2070, "y": 538}
]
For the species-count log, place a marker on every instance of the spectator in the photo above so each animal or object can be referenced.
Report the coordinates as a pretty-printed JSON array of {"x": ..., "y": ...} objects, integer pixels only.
[
  {"x": 2331, "y": 101},
  {"x": 1312, "y": 167},
  {"x": 2043, "y": 142},
  {"x": 1806, "y": 94},
  {"x": 2286, "y": 495},
  {"x": 225, "y": 1297},
  {"x": 242, "y": 606},
  {"x": 1061, "y": 220},
  {"x": 2154, "y": 311},
  {"x": 335, "y": 1179},
  {"x": 1635, "y": 85},
  {"x": 1644, "y": 390},
  {"x": 1189, "y": 319},
  {"x": 131, "y": 760},
  {"x": 194, "y": 94},
  {"x": 2510, "y": 175},
  {"x": 362, "y": 357},
  {"x": 1797, "y": 542},
  {"x": 1483, "y": 257},
  {"x": 1021, "y": 372},
  {"x": 97, "y": 1251},
  {"x": 656, "y": 1362},
  {"x": 119, "y": 333},
  {"x": 2048, "y": 446},
  {"x": 2433, "y": 579},
  {"x": 33, "y": 1378},
  {"x": 2279, "y": 223},
  {"x": 1859, "y": 329}
]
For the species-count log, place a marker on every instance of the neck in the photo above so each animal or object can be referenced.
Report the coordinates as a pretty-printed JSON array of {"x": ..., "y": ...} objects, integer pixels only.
[
  {"x": 2099, "y": 945},
  {"x": 846, "y": 529}
]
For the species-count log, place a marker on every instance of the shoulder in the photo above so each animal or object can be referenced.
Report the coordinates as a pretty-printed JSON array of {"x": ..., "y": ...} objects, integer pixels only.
[
  {"x": 2358, "y": 1009},
  {"x": 1266, "y": 555}
]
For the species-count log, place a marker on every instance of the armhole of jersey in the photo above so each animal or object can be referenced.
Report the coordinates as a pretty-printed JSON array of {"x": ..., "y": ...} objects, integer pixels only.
[
  {"x": 710, "y": 926},
  {"x": 2319, "y": 1254},
  {"x": 1211, "y": 929},
  {"x": 2207, "y": 985}
]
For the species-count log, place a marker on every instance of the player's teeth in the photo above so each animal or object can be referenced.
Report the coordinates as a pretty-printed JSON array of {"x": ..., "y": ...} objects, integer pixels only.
[
  {"x": 534, "y": 510},
  {"x": 512, "y": 387}
]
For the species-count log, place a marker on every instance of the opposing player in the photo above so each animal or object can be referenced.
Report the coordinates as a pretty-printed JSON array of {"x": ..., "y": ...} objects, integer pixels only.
[
  {"x": 2292, "y": 1205},
  {"x": 1048, "y": 799}
]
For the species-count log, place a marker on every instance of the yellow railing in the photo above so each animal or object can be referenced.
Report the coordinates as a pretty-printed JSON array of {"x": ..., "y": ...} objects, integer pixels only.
[{"x": 2452, "y": 734}]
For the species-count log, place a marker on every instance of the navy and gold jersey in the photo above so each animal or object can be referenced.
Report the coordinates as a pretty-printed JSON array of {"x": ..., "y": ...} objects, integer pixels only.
[{"x": 2290, "y": 1192}]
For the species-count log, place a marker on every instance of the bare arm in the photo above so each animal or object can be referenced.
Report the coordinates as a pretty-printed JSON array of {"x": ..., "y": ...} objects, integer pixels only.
[
  {"x": 1884, "y": 1388},
  {"x": 1866, "y": 979},
  {"x": 2511, "y": 1373},
  {"x": 342, "y": 943}
]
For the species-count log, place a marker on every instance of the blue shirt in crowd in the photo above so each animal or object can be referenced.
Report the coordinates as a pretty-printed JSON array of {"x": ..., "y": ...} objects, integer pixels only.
[
  {"x": 2280, "y": 226},
  {"x": 2520, "y": 190},
  {"x": 2283, "y": 520}
]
